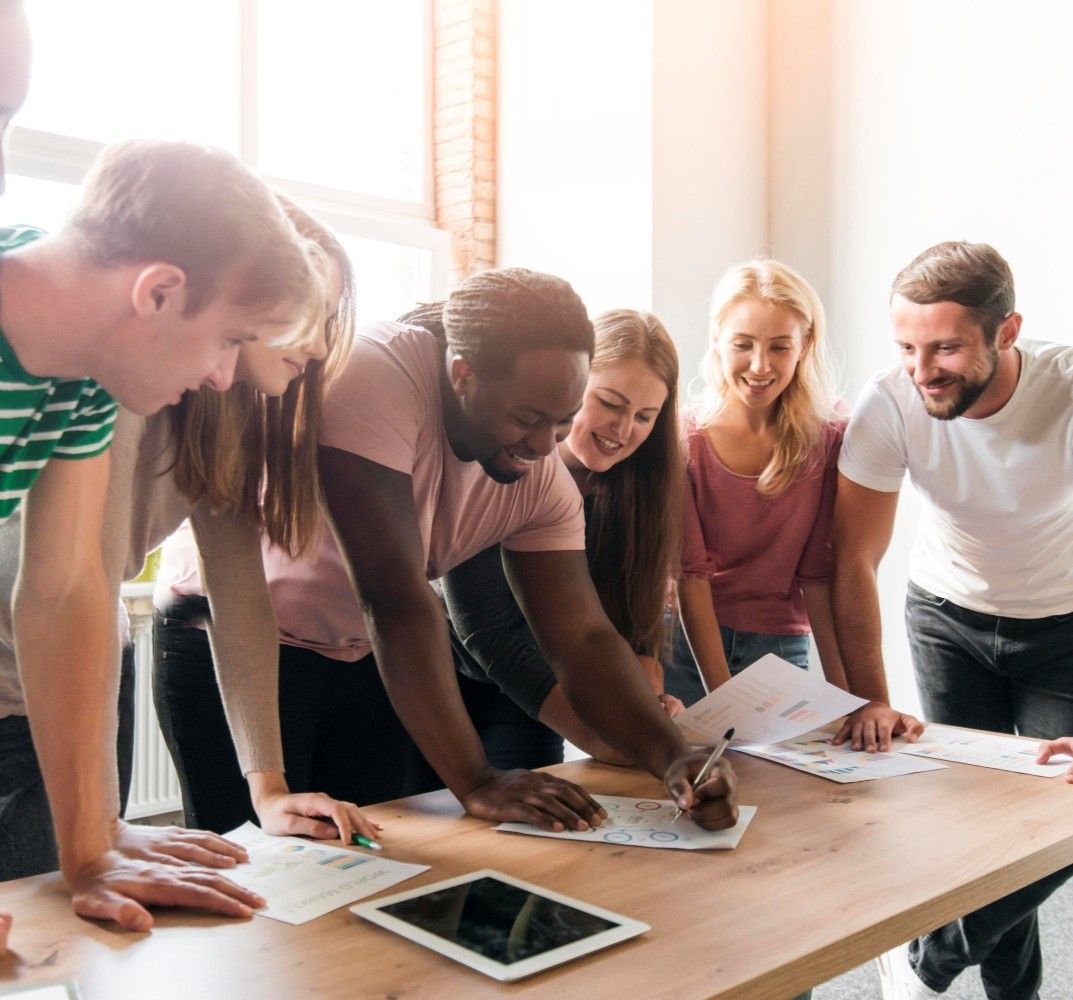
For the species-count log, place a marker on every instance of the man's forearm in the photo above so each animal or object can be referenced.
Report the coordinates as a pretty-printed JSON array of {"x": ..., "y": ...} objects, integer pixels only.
[
  {"x": 67, "y": 655},
  {"x": 855, "y": 609},
  {"x": 413, "y": 654},
  {"x": 608, "y": 691}
]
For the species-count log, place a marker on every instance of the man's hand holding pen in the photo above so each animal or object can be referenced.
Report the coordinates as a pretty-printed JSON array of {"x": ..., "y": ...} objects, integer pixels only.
[{"x": 704, "y": 786}]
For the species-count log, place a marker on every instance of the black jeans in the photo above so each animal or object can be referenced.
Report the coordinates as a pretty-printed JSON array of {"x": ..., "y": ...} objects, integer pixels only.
[
  {"x": 27, "y": 839},
  {"x": 340, "y": 734},
  {"x": 1008, "y": 675}
]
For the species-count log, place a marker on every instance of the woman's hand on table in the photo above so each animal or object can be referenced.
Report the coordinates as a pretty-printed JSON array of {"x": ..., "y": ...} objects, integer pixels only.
[
  {"x": 873, "y": 725},
  {"x": 313, "y": 814},
  {"x": 1048, "y": 748},
  {"x": 284, "y": 813}
]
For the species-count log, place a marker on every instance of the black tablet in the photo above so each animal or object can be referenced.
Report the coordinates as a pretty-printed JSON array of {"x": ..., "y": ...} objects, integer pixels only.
[{"x": 499, "y": 925}]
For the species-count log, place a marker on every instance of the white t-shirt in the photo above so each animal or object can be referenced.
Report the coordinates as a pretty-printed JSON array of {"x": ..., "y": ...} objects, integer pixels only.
[{"x": 996, "y": 535}]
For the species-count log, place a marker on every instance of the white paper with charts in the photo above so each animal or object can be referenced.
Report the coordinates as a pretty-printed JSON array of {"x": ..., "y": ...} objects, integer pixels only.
[
  {"x": 646, "y": 823},
  {"x": 768, "y": 702},
  {"x": 814, "y": 754},
  {"x": 303, "y": 879},
  {"x": 1005, "y": 753}
]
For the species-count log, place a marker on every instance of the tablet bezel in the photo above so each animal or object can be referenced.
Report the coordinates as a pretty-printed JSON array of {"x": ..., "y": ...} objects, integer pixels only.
[{"x": 626, "y": 928}]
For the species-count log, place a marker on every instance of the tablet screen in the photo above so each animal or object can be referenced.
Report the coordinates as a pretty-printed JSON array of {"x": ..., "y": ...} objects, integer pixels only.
[
  {"x": 498, "y": 924},
  {"x": 500, "y": 921}
]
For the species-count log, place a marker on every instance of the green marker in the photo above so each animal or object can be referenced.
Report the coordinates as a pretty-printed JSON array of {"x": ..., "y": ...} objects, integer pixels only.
[{"x": 357, "y": 838}]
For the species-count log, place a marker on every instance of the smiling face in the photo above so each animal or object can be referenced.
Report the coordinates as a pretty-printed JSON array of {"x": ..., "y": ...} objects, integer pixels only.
[
  {"x": 619, "y": 410},
  {"x": 945, "y": 353},
  {"x": 271, "y": 365},
  {"x": 509, "y": 423},
  {"x": 759, "y": 346}
]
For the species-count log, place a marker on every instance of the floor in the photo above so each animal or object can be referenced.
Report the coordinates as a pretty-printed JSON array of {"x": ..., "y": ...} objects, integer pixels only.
[{"x": 1056, "y": 933}]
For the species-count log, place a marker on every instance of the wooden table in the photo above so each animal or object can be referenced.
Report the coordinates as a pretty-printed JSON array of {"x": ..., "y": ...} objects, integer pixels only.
[{"x": 826, "y": 877}]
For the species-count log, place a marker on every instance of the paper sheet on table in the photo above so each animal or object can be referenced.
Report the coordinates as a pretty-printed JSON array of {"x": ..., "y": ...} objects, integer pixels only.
[
  {"x": 647, "y": 823},
  {"x": 65, "y": 990},
  {"x": 814, "y": 754},
  {"x": 303, "y": 879},
  {"x": 1005, "y": 753},
  {"x": 768, "y": 702}
]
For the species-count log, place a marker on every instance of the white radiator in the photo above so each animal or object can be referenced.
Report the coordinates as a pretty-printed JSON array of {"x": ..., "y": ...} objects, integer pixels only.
[{"x": 154, "y": 786}]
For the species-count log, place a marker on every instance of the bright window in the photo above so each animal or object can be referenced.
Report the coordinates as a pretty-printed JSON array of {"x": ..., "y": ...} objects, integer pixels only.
[{"x": 328, "y": 99}]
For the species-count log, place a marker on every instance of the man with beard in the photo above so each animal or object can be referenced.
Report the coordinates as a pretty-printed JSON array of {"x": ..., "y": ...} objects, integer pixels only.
[{"x": 983, "y": 424}]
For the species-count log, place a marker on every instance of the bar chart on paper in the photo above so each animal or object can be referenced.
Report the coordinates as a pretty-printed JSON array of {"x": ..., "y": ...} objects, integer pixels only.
[
  {"x": 964, "y": 746},
  {"x": 768, "y": 702},
  {"x": 813, "y": 753}
]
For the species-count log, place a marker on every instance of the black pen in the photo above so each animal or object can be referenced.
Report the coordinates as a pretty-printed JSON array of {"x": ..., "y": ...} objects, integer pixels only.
[{"x": 713, "y": 759}]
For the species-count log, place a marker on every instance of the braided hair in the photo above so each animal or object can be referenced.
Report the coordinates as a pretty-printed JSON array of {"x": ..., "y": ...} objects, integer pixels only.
[{"x": 496, "y": 315}]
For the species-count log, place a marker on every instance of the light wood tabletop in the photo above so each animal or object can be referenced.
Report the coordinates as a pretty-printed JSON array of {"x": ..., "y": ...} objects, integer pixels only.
[{"x": 826, "y": 877}]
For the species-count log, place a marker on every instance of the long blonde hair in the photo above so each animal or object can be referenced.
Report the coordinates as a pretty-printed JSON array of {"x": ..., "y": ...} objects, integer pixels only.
[
  {"x": 808, "y": 402},
  {"x": 633, "y": 529},
  {"x": 254, "y": 454}
]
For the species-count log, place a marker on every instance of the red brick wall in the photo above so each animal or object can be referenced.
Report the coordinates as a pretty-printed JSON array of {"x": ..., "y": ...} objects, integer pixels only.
[{"x": 464, "y": 130}]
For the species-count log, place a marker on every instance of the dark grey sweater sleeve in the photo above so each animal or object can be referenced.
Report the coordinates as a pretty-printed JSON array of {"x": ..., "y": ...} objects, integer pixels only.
[{"x": 490, "y": 635}]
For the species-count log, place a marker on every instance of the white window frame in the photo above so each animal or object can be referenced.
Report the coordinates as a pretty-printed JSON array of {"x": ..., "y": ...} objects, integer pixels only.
[{"x": 53, "y": 156}]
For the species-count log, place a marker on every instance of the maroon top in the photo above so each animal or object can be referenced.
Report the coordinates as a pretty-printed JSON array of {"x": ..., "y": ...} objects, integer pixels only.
[{"x": 755, "y": 550}]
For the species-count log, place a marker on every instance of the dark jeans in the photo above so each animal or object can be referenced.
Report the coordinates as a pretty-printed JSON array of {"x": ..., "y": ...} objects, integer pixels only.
[
  {"x": 682, "y": 678},
  {"x": 340, "y": 734},
  {"x": 27, "y": 840},
  {"x": 1007, "y": 675}
]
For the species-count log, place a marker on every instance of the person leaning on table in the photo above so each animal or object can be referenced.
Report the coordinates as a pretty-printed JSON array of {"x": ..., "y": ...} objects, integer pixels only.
[{"x": 983, "y": 424}]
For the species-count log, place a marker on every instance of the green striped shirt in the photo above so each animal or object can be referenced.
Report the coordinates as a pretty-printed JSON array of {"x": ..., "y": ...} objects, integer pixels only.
[{"x": 42, "y": 418}]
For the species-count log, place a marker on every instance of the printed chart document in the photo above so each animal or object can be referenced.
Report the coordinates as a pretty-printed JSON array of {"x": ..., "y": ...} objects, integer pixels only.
[
  {"x": 303, "y": 879},
  {"x": 814, "y": 754},
  {"x": 768, "y": 702},
  {"x": 647, "y": 823},
  {"x": 1005, "y": 753}
]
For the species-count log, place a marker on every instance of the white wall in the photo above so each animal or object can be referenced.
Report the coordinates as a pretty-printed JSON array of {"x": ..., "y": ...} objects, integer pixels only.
[
  {"x": 574, "y": 145},
  {"x": 645, "y": 145},
  {"x": 932, "y": 121},
  {"x": 709, "y": 156},
  {"x": 633, "y": 149}
]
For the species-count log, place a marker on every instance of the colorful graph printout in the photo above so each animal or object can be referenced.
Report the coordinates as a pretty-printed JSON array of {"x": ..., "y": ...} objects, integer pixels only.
[
  {"x": 647, "y": 823},
  {"x": 768, "y": 702},
  {"x": 303, "y": 879},
  {"x": 965, "y": 746},
  {"x": 814, "y": 754}
]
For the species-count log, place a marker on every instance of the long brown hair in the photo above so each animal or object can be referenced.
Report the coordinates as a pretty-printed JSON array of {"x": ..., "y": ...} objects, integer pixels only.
[
  {"x": 633, "y": 531},
  {"x": 254, "y": 454}
]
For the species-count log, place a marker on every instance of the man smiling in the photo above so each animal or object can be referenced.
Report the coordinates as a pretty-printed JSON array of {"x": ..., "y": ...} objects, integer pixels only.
[
  {"x": 983, "y": 424},
  {"x": 438, "y": 441}
]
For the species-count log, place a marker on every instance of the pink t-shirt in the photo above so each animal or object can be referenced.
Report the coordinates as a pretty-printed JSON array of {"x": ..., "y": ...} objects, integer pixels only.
[
  {"x": 753, "y": 550},
  {"x": 386, "y": 407}
]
